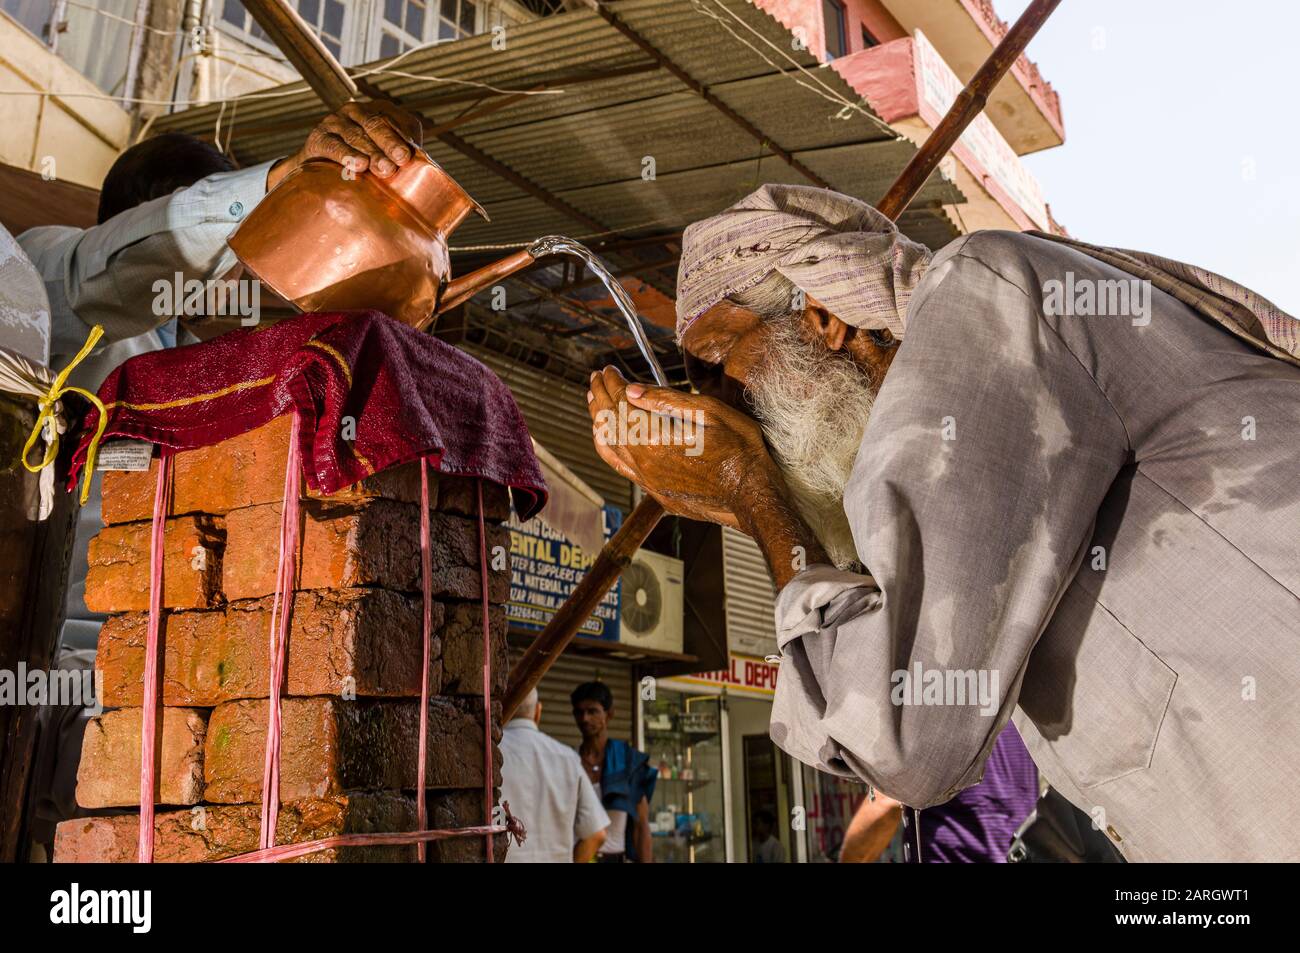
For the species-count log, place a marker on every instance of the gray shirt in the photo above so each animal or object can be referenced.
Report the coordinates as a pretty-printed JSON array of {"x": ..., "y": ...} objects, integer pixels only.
[
  {"x": 1090, "y": 523},
  {"x": 546, "y": 788}
]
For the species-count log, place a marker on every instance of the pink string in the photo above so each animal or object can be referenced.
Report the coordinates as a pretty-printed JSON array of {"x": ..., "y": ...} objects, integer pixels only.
[
  {"x": 421, "y": 837},
  {"x": 281, "y": 611},
  {"x": 149, "y": 705},
  {"x": 512, "y": 826},
  {"x": 487, "y": 672},
  {"x": 426, "y": 572}
]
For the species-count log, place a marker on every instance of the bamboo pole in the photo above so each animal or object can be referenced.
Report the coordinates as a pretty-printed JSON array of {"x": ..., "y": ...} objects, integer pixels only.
[
  {"x": 970, "y": 102},
  {"x": 618, "y": 552},
  {"x": 304, "y": 50}
]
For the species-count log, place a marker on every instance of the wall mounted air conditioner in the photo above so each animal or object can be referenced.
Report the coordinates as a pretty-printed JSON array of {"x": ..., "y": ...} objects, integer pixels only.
[{"x": 652, "y": 603}]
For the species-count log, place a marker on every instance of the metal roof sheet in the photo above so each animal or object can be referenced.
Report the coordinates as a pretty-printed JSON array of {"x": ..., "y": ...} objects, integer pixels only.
[{"x": 586, "y": 144}]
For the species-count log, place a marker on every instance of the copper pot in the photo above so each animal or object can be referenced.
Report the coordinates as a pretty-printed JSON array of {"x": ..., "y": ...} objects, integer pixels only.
[{"x": 327, "y": 241}]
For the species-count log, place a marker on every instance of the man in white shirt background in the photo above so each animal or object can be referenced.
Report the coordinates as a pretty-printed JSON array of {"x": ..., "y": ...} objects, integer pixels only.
[
  {"x": 767, "y": 848},
  {"x": 546, "y": 787}
]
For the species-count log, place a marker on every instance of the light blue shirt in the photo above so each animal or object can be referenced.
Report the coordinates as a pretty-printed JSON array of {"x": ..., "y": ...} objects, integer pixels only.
[{"x": 105, "y": 274}]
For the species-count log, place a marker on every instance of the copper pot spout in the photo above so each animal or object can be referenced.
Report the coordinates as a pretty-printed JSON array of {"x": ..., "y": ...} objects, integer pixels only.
[{"x": 465, "y": 287}]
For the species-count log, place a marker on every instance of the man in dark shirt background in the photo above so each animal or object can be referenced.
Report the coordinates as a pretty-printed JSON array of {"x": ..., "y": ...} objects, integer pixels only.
[{"x": 623, "y": 777}]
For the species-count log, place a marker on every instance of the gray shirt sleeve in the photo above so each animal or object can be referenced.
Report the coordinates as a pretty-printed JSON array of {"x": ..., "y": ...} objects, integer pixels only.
[
  {"x": 591, "y": 816},
  {"x": 972, "y": 501},
  {"x": 106, "y": 274}
]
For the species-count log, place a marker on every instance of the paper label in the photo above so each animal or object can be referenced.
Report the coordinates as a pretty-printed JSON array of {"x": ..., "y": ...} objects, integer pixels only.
[{"x": 124, "y": 455}]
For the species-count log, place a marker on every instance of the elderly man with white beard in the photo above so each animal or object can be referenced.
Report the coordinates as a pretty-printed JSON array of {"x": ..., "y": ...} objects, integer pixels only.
[{"x": 1082, "y": 521}]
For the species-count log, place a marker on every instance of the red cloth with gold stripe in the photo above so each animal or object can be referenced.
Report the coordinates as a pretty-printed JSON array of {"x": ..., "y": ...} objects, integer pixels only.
[{"x": 409, "y": 394}]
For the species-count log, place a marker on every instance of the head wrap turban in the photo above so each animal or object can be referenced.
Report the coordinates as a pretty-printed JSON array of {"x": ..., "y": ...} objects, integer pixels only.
[{"x": 833, "y": 247}]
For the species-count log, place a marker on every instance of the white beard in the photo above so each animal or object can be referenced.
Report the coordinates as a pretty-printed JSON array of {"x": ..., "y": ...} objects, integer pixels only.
[{"x": 813, "y": 404}]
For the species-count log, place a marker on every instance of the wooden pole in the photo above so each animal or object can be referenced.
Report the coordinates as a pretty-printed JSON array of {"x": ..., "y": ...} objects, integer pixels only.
[
  {"x": 304, "y": 51},
  {"x": 568, "y": 619},
  {"x": 970, "y": 102},
  {"x": 618, "y": 552}
]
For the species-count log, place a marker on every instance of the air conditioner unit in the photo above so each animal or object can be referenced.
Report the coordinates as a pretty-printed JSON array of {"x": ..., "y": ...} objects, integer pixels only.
[{"x": 650, "y": 616}]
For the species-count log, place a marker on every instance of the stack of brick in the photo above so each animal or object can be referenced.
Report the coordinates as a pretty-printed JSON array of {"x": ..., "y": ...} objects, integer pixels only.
[{"x": 351, "y": 715}]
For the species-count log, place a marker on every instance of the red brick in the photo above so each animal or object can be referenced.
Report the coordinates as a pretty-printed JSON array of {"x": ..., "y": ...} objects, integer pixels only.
[
  {"x": 462, "y": 649},
  {"x": 329, "y": 746},
  {"x": 109, "y": 773},
  {"x": 371, "y": 544},
  {"x": 452, "y": 809},
  {"x": 459, "y": 495},
  {"x": 209, "y": 832},
  {"x": 370, "y": 636},
  {"x": 118, "y": 575},
  {"x": 242, "y": 471}
]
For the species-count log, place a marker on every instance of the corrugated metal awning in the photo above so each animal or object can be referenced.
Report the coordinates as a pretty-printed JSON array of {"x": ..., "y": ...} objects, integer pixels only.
[{"x": 552, "y": 134}]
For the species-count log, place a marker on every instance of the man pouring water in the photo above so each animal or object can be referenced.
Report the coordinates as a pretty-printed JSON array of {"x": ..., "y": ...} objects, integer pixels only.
[{"x": 1013, "y": 501}]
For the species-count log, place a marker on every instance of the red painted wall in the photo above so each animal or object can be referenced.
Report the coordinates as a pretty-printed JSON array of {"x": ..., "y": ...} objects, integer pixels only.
[
  {"x": 886, "y": 76},
  {"x": 807, "y": 14}
]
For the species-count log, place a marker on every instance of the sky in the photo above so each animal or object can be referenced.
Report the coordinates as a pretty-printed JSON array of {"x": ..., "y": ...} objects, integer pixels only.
[{"x": 1182, "y": 135}]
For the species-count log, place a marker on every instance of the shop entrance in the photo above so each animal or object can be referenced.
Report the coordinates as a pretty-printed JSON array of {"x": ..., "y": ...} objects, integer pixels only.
[
  {"x": 764, "y": 800},
  {"x": 760, "y": 803},
  {"x": 684, "y": 738}
]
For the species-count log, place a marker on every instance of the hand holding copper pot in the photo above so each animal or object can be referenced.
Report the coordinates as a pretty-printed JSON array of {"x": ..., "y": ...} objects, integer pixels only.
[
  {"x": 374, "y": 136},
  {"x": 359, "y": 218},
  {"x": 373, "y": 238}
]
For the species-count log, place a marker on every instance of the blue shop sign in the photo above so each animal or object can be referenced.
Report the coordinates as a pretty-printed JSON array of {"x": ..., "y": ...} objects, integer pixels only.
[{"x": 545, "y": 567}]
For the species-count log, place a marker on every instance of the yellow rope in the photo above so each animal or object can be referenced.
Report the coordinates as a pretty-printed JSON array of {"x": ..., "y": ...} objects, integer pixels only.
[{"x": 50, "y": 401}]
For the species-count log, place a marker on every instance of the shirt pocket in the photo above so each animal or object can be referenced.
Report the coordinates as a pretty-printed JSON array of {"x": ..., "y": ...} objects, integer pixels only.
[{"x": 1096, "y": 693}]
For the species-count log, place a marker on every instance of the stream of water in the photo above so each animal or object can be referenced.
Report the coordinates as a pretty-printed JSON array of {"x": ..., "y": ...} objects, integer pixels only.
[{"x": 559, "y": 245}]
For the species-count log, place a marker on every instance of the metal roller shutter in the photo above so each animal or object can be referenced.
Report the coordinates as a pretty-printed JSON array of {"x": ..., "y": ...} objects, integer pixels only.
[
  {"x": 750, "y": 596},
  {"x": 570, "y": 671},
  {"x": 556, "y": 413}
]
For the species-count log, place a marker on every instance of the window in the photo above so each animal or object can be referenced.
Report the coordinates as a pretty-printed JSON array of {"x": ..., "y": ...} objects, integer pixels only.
[
  {"x": 359, "y": 30},
  {"x": 456, "y": 19},
  {"x": 868, "y": 41},
  {"x": 402, "y": 26},
  {"x": 233, "y": 12},
  {"x": 408, "y": 23},
  {"x": 32, "y": 14},
  {"x": 95, "y": 40},
  {"x": 836, "y": 37},
  {"x": 325, "y": 17}
]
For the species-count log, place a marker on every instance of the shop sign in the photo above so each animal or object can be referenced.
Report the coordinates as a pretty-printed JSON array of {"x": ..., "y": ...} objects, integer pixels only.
[
  {"x": 545, "y": 568},
  {"x": 744, "y": 674},
  {"x": 937, "y": 88}
]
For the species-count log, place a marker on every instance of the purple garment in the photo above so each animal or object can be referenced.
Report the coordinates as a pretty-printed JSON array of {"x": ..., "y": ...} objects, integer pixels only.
[{"x": 977, "y": 826}]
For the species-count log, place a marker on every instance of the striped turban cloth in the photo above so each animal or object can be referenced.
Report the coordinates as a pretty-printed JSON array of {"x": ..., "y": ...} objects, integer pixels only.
[{"x": 780, "y": 238}]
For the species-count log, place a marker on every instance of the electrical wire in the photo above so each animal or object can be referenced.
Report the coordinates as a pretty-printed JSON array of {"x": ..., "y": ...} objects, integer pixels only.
[{"x": 825, "y": 91}]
